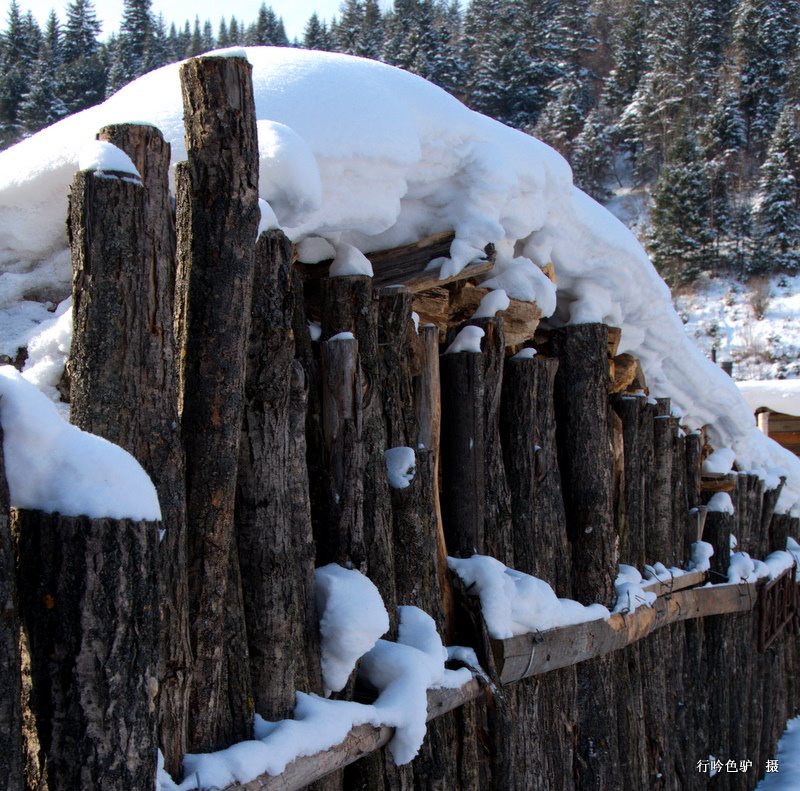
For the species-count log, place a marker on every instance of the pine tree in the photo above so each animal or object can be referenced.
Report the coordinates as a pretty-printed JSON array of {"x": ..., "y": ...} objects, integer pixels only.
[
  {"x": 370, "y": 37},
  {"x": 42, "y": 105},
  {"x": 776, "y": 213},
  {"x": 53, "y": 39},
  {"x": 16, "y": 62},
  {"x": 208, "y": 36},
  {"x": 681, "y": 236},
  {"x": 315, "y": 35},
  {"x": 234, "y": 32},
  {"x": 134, "y": 43},
  {"x": 591, "y": 156},
  {"x": 223, "y": 39},
  {"x": 507, "y": 80},
  {"x": 160, "y": 47},
  {"x": 268, "y": 29},
  {"x": 765, "y": 38},
  {"x": 195, "y": 47},
  {"x": 347, "y": 31}
]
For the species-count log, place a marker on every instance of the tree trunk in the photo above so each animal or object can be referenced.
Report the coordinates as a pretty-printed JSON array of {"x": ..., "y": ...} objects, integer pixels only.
[
  {"x": 124, "y": 374},
  {"x": 348, "y": 306},
  {"x": 273, "y": 520},
  {"x": 586, "y": 464},
  {"x": 217, "y": 221},
  {"x": 88, "y": 593},
  {"x": 462, "y": 453},
  {"x": 11, "y": 689}
]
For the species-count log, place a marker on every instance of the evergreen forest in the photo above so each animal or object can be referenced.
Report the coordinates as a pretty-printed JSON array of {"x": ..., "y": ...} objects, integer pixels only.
[{"x": 695, "y": 102}]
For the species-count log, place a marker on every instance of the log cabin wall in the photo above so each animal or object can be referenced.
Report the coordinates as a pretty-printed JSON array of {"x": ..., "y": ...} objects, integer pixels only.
[{"x": 557, "y": 464}]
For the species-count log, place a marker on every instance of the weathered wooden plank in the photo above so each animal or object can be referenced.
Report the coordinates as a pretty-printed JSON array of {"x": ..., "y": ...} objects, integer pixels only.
[
  {"x": 529, "y": 654},
  {"x": 362, "y": 740},
  {"x": 520, "y": 319},
  {"x": 711, "y": 483},
  {"x": 664, "y": 588}
]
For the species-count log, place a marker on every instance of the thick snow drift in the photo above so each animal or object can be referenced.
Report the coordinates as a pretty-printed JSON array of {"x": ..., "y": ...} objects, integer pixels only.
[
  {"x": 55, "y": 467},
  {"x": 359, "y": 153}
]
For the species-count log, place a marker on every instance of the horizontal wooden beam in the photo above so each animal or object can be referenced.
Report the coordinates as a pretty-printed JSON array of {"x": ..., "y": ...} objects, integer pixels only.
[
  {"x": 361, "y": 741},
  {"x": 666, "y": 587},
  {"x": 529, "y": 655},
  {"x": 532, "y": 654}
]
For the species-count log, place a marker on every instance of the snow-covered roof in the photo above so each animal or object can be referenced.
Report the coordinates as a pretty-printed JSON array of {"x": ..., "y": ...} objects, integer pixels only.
[
  {"x": 367, "y": 155},
  {"x": 778, "y": 395}
]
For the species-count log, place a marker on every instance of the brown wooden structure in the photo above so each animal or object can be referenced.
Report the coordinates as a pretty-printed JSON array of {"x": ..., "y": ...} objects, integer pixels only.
[{"x": 557, "y": 464}]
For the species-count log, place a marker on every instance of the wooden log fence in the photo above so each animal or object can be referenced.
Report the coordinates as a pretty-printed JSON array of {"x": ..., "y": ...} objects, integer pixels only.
[{"x": 268, "y": 453}]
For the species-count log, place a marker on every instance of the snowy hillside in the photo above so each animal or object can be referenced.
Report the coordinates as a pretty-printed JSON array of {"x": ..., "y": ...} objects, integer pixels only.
[{"x": 366, "y": 156}]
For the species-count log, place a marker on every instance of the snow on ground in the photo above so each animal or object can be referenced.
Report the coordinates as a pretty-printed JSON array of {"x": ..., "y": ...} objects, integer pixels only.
[
  {"x": 752, "y": 324},
  {"x": 784, "y": 774}
]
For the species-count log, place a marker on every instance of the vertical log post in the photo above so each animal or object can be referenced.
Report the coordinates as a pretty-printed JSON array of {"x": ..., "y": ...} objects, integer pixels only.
[
  {"x": 462, "y": 453},
  {"x": 539, "y": 751},
  {"x": 344, "y": 540},
  {"x": 586, "y": 463},
  {"x": 719, "y": 662},
  {"x": 273, "y": 517},
  {"x": 217, "y": 221},
  {"x": 348, "y": 306},
  {"x": 89, "y": 603},
  {"x": 428, "y": 405},
  {"x": 124, "y": 369},
  {"x": 11, "y": 688}
]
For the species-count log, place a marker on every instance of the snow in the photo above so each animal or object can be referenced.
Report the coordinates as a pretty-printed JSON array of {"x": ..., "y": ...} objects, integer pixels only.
[
  {"x": 468, "y": 340},
  {"x": 787, "y": 778},
  {"x": 491, "y": 304},
  {"x": 743, "y": 568},
  {"x": 314, "y": 249},
  {"x": 630, "y": 593},
  {"x": 268, "y": 220},
  {"x": 315, "y": 331},
  {"x": 351, "y": 619},
  {"x": 523, "y": 280},
  {"x": 106, "y": 157},
  {"x": 415, "y": 319},
  {"x": 701, "y": 556},
  {"x": 349, "y": 260},
  {"x": 341, "y": 336},
  {"x": 721, "y": 503},
  {"x": 514, "y": 603},
  {"x": 401, "y": 466},
  {"x": 778, "y": 395},
  {"x": 55, "y": 467},
  {"x": 528, "y": 353},
  {"x": 288, "y": 174},
  {"x": 48, "y": 350},
  {"x": 720, "y": 461},
  {"x": 398, "y": 159}
]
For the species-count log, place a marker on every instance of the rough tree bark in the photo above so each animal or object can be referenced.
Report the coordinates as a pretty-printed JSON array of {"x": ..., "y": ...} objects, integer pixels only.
[
  {"x": 462, "y": 452},
  {"x": 348, "y": 306},
  {"x": 586, "y": 464},
  {"x": 217, "y": 221},
  {"x": 124, "y": 370},
  {"x": 11, "y": 764},
  {"x": 540, "y": 750},
  {"x": 273, "y": 518},
  {"x": 88, "y": 593}
]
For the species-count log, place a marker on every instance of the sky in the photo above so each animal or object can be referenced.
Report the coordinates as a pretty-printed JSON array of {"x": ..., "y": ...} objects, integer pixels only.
[{"x": 295, "y": 13}]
